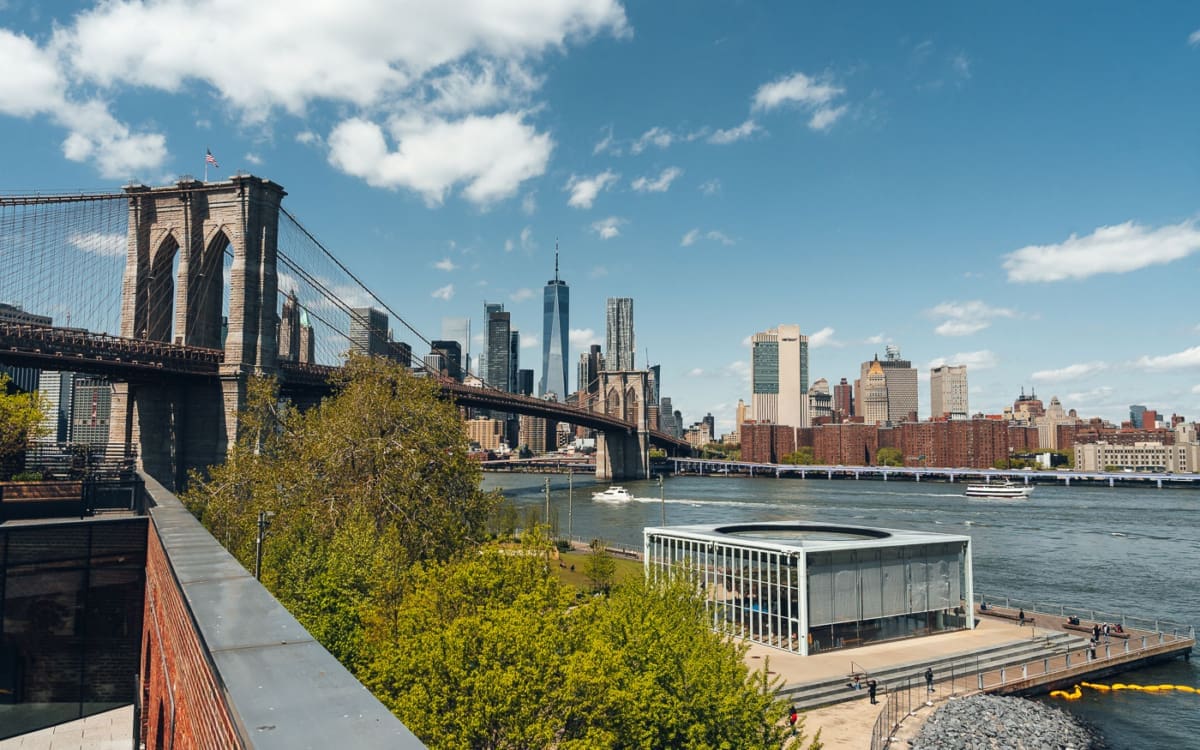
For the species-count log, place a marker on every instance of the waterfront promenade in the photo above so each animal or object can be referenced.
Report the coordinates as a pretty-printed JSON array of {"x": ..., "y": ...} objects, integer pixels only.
[
  {"x": 1053, "y": 657},
  {"x": 1066, "y": 478}
]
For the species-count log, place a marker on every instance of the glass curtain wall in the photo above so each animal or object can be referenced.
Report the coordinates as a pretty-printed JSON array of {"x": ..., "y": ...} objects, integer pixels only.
[{"x": 852, "y": 597}]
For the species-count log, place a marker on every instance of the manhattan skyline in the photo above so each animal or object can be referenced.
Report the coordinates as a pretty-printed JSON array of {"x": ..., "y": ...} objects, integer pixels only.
[{"x": 912, "y": 177}]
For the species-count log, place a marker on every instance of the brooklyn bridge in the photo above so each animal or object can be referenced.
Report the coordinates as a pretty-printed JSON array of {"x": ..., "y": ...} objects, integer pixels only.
[{"x": 179, "y": 294}]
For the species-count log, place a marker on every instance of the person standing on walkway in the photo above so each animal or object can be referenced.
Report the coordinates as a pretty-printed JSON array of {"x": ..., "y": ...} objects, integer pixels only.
[
  {"x": 871, "y": 687},
  {"x": 1021, "y": 616},
  {"x": 929, "y": 678},
  {"x": 792, "y": 717}
]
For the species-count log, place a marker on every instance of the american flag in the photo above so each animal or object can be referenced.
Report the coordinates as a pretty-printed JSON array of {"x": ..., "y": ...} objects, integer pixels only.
[{"x": 210, "y": 159}]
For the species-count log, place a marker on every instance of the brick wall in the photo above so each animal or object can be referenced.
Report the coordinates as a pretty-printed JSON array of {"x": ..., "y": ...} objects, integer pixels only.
[{"x": 182, "y": 705}]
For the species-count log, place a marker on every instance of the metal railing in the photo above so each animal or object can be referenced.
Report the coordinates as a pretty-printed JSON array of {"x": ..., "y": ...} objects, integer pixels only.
[{"x": 1063, "y": 611}]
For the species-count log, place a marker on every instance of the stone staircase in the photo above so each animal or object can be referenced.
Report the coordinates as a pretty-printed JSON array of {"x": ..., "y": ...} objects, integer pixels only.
[{"x": 963, "y": 666}]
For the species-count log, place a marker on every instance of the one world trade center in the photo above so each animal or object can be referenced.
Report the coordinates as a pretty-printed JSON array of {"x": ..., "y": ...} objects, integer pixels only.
[{"x": 557, "y": 304}]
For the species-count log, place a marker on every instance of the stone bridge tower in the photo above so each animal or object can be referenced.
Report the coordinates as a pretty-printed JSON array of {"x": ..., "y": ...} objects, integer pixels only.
[
  {"x": 174, "y": 291},
  {"x": 622, "y": 455}
]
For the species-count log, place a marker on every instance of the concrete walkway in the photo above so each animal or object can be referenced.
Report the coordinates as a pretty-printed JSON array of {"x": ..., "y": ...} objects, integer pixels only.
[
  {"x": 111, "y": 730},
  {"x": 848, "y": 725}
]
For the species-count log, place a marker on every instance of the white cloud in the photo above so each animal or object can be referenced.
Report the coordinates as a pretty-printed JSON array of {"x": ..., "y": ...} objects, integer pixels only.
[
  {"x": 1178, "y": 360},
  {"x": 370, "y": 56},
  {"x": 876, "y": 339},
  {"x": 522, "y": 294},
  {"x": 965, "y": 318},
  {"x": 714, "y": 235},
  {"x": 1112, "y": 249},
  {"x": 445, "y": 293},
  {"x": 529, "y": 203},
  {"x": 1070, "y": 372},
  {"x": 584, "y": 190},
  {"x": 660, "y": 184},
  {"x": 811, "y": 93},
  {"x": 491, "y": 154},
  {"x": 1194, "y": 38},
  {"x": 582, "y": 338},
  {"x": 655, "y": 136},
  {"x": 734, "y": 134},
  {"x": 508, "y": 245},
  {"x": 980, "y": 360},
  {"x": 962, "y": 65},
  {"x": 360, "y": 55},
  {"x": 608, "y": 228},
  {"x": 597, "y": 272},
  {"x": 253, "y": 159},
  {"x": 307, "y": 138},
  {"x": 605, "y": 143},
  {"x": 111, "y": 245},
  {"x": 797, "y": 88},
  {"x": 695, "y": 372},
  {"x": 529, "y": 340},
  {"x": 823, "y": 337},
  {"x": 738, "y": 369},
  {"x": 1099, "y": 393},
  {"x": 1196, "y": 388},
  {"x": 527, "y": 241},
  {"x": 445, "y": 264},
  {"x": 710, "y": 187},
  {"x": 825, "y": 117}
]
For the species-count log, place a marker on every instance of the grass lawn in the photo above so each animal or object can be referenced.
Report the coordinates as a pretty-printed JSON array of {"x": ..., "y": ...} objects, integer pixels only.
[{"x": 625, "y": 569}]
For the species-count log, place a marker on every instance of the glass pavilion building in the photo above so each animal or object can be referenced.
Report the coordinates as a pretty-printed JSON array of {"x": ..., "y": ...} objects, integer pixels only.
[{"x": 811, "y": 587}]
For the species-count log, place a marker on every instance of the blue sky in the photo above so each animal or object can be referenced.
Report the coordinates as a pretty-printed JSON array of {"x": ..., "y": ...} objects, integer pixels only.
[{"x": 1011, "y": 186}]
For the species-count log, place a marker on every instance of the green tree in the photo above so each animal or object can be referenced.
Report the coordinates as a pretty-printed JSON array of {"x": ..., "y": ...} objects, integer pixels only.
[
  {"x": 889, "y": 457},
  {"x": 802, "y": 456},
  {"x": 488, "y": 651},
  {"x": 600, "y": 567},
  {"x": 21, "y": 416},
  {"x": 373, "y": 479}
]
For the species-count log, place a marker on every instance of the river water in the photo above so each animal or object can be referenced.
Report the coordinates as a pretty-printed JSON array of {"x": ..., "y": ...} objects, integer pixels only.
[{"x": 1115, "y": 550}]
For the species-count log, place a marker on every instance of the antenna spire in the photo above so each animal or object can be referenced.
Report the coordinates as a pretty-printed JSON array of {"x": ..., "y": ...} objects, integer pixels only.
[{"x": 556, "y": 259}]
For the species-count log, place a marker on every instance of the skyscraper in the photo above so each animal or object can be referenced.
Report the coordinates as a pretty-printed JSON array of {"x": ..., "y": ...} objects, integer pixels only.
[
  {"x": 555, "y": 319},
  {"x": 843, "y": 401},
  {"x": 779, "y": 376},
  {"x": 499, "y": 351},
  {"x": 900, "y": 387},
  {"x": 459, "y": 329},
  {"x": 452, "y": 356},
  {"x": 368, "y": 331},
  {"x": 486, "y": 355},
  {"x": 289, "y": 329},
  {"x": 948, "y": 392},
  {"x": 590, "y": 365},
  {"x": 619, "y": 343}
]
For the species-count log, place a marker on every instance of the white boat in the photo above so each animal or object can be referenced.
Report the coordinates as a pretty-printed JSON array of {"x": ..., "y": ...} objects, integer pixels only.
[
  {"x": 614, "y": 494},
  {"x": 1005, "y": 489}
]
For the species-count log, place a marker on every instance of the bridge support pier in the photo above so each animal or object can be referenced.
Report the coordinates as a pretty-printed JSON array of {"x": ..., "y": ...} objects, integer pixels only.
[
  {"x": 624, "y": 455},
  {"x": 174, "y": 427}
]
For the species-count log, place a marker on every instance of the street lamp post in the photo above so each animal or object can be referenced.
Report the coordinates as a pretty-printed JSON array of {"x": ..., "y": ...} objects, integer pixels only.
[
  {"x": 570, "y": 498},
  {"x": 547, "y": 502},
  {"x": 662, "y": 499},
  {"x": 264, "y": 523}
]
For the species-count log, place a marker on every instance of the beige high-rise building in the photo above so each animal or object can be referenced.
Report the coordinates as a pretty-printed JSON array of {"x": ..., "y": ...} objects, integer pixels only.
[
  {"x": 1047, "y": 424},
  {"x": 488, "y": 433},
  {"x": 900, "y": 389},
  {"x": 779, "y": 376},
  {"x": 874, "y": 394},
  {"x": 948, "y": 392}
]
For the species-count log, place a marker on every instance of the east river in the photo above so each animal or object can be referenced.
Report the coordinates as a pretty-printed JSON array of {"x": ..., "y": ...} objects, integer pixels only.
[{"x": 1116, "y": 550}]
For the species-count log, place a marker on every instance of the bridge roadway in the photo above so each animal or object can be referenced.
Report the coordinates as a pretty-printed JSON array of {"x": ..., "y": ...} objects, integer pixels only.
[
  {"x": 708, "y": 466},
  {"x": 138, "y": 360}
]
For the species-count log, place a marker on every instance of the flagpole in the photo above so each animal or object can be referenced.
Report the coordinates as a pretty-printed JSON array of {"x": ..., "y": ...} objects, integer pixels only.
[{"x": 206, "y": 167}]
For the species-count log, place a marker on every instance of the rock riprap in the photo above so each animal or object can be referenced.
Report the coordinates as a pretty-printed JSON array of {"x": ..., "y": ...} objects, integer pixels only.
[{"x": 997, "y": 722}]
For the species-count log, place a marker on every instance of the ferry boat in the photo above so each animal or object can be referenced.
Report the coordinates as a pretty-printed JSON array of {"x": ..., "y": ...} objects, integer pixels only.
[
  {"x": 614, "y": 494},
  {"x": 1005, "y": 489}
]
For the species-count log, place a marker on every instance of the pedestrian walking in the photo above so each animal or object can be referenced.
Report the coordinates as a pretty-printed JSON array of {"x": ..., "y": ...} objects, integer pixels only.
[
  {"x": 871, "y": 687},
  {"x": 929, "y": 678},
  {"x": 792, "y": 717},
  {"x": 1021, "y": 616},
  {"x": 1107, "y": 630}
]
